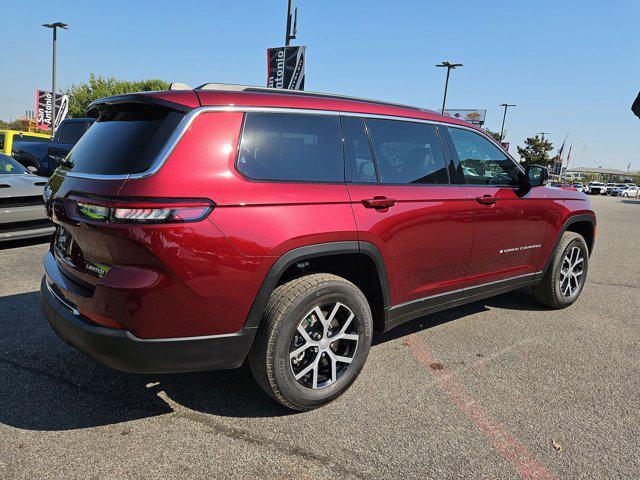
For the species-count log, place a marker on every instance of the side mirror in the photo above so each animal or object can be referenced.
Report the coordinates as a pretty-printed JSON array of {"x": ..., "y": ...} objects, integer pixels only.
[
  {"x": 537, "y": 175},
  {"x": 32, "y": 169}
]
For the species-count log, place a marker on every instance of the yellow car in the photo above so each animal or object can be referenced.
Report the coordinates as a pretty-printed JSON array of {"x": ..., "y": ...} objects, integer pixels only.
[{"x": 7, "y": 137}]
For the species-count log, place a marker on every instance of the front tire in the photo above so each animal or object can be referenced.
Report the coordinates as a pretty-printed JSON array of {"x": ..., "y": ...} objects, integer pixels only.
[
  {"x": 313, "y": 341},
  {"x": 567, "y": 273}
]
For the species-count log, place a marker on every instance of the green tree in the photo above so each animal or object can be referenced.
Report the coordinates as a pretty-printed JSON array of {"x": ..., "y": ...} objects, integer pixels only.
[
  {"x": 81, "y": 95},
  {"x": 536, "y": 151},
  {"x": 495, "y": 135},
  {"x": 15, "y": 125}
]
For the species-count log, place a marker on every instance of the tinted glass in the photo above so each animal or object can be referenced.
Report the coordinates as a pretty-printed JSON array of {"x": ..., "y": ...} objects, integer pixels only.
[
  {"x": 125, "y": 139},
  {"x": 20, "y": 138},
  {"x": 357, "y": 151},
  {"x": 407, "y": 152},
  {"x": 9, "y": 166},
  {"x": 291, "y": 147},
  {"x": 481, "y": 161},
  {"x": 71, "y": 132}
]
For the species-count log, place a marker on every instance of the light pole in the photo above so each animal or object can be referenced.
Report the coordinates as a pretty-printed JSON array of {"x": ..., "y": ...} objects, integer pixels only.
[
  {"x": 54, "y": 27},
  {"x": 542, "y": 134},
  {"x": 504, "y": 116},
  {"x": 291, "y": 35},
  {"x": 449, "y": 66}
]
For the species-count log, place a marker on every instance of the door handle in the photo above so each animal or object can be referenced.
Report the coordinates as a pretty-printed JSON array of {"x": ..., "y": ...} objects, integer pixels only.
[
  {"x": 486, "y": 199},
  {"x": 379, "y": 203}
]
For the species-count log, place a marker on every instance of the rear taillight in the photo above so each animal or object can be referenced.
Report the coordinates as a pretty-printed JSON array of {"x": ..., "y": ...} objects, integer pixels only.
[{"x": 142, "y": 211}]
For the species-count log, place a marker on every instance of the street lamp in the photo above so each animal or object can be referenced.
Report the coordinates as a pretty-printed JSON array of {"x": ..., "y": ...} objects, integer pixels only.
[
  {"x": 449, "y": 66},
  {"x": 291, "y": 35},
  {"x": 504, "y": 116},
  {"x": 54, "y": 27},
  {"x": 542, "y": 134}
]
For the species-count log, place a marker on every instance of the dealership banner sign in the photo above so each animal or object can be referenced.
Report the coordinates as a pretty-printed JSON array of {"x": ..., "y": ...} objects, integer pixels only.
[
  {"x": 286, "y": 67},
  {"x": 44, "y": 109},
  {"x": 471, "y": 115}
]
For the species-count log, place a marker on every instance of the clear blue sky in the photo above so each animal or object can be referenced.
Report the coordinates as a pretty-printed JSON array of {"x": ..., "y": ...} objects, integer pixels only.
[{"x": 570, "y": 66}]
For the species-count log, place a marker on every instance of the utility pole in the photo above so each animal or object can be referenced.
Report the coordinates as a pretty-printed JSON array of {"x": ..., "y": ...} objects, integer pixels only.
[
  {"x": 54, "y": 27},
  {"x": 504, "y": 116},
  {"x": 449, "y": 66},
  {"x": 289, "y": 34},
  {"x": 542, "y": 134}
]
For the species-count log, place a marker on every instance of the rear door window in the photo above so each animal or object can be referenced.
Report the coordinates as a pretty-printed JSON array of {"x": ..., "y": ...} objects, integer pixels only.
[
  {"x": 291, "y": 147},
  {"x": 125, "y": 139},
  {"x": 407, "y": 152}
]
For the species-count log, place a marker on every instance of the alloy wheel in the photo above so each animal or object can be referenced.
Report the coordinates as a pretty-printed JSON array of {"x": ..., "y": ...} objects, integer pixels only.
[
  {"x": 323, "y": 345},
  {"x": 571, "y": 272}
]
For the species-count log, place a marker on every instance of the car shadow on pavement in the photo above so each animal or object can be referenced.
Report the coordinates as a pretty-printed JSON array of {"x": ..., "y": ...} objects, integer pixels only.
[
  {"x": 516, "y": 300},
  {"x": 48, "y": 385}
]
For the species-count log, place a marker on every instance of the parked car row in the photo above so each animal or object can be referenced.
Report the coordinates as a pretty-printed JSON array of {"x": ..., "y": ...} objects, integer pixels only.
[
  {"x": 599, "y": 188},
  {"x": 39, "y": 152}
]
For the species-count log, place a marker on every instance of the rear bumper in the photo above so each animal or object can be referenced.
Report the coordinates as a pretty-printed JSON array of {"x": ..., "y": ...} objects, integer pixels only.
[{"x": 122, "y": 350}]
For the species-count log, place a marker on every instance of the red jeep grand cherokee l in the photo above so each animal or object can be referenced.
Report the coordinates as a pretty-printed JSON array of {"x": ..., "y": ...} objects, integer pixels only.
[{"x": 200, "y": 228}]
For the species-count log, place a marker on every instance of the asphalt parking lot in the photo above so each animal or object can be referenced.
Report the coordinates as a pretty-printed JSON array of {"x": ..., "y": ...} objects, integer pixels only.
[{"x": 496, "y": 389}]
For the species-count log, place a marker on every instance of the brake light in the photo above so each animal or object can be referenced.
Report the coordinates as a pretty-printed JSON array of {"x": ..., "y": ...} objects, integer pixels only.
[
  {"x": 166, "y": 214},
  {"x": 143, "y": 211}
]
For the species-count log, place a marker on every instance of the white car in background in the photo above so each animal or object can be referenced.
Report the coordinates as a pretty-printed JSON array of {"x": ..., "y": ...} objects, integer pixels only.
[
  {"x": 596, "y": 188},
  {"x": 630, "y": 192},
  {"x": 579, "y": 186},
  {"x": 22, "y": 212}
]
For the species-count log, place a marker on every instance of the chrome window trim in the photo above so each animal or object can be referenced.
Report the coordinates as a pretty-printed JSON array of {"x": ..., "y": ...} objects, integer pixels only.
[{"x": 188, "y": 119}]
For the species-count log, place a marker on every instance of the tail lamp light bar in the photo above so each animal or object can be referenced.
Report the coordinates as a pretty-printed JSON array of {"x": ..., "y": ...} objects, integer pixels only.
[{"x": 142, "y": 211}]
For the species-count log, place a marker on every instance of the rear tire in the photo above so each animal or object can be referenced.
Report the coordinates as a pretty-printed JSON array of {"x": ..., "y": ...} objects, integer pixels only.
[
  {"x": 565, "y": 277},
  {"x": 313, "y": 341}
]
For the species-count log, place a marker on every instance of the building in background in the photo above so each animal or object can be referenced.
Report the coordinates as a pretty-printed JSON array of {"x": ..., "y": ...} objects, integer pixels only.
[{"x": 601, "y": 174}]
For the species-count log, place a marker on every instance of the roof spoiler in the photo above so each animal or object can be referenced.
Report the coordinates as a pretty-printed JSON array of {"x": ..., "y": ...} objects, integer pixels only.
[
  {"x": 179, "y": 86},
  {"x": 143, "y": 98}
]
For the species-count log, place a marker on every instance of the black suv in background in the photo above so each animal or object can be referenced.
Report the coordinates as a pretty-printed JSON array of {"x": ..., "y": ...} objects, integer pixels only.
[{"x": 46, "y": 157}]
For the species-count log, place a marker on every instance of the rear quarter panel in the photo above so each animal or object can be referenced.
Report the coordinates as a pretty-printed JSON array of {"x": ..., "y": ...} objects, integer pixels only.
[{"x": 221, "y": 267}]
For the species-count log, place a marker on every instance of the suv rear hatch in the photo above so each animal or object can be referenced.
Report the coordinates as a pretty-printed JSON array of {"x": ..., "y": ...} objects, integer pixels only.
[{"x": 130, "y": 137}]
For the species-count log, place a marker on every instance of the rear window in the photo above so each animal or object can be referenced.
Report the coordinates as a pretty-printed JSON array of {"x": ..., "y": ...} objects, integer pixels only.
[
  {"x": 291, "y": 147},
  {"x": 71, "y": 132},
  {"x": 125, "y": 139}
]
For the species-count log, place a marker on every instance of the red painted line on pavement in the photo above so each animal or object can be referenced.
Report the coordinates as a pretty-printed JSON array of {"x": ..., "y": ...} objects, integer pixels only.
[{"x": 495, "y": 432}]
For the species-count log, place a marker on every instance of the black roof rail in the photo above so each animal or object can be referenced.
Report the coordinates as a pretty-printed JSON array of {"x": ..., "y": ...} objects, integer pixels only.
[{"x": 228, "y": 87}]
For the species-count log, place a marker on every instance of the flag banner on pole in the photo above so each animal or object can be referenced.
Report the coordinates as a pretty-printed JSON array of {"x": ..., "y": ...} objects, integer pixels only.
[
  {"x": 44, "y": 109},
  {"x": 286, "y": 67},
  {"x": 557, "y": 168}
]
